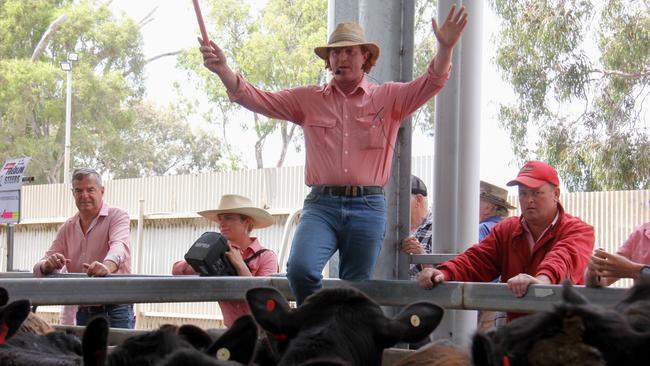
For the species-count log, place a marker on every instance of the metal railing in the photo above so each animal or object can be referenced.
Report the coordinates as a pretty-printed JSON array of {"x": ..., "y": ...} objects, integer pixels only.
[{"x": 158, "y": 289}]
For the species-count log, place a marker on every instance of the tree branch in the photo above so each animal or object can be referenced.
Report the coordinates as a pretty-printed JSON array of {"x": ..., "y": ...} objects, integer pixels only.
[
  {"x": 174, "y": 53},
  {"x": 623, "y": 74},
  {"x": 45, "y": 39}
]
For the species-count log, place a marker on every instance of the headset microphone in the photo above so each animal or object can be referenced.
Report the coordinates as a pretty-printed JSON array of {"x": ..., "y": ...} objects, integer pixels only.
[{"x": 338, "y": 71}]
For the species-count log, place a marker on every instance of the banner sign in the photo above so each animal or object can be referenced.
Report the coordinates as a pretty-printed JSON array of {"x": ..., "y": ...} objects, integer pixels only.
[{"x": 11, "y": 179}]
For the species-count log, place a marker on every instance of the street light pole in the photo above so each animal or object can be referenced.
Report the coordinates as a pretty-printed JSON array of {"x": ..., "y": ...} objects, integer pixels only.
[
  {"x": 68, "y": 117},
  {"x": 67, "y": 67}
]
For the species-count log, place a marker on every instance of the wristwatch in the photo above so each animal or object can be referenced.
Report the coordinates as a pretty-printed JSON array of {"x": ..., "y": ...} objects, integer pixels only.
[{"x": 644, "y": 275}]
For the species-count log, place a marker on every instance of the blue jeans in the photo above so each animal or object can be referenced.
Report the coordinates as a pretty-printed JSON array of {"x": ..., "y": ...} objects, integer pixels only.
[
  {"x": 119, "y": 316},
  {"x": 355, "y": 226}
]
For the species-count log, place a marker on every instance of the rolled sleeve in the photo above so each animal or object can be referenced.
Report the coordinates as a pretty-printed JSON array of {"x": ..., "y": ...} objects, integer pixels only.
[{"x": 119, "y": 241}]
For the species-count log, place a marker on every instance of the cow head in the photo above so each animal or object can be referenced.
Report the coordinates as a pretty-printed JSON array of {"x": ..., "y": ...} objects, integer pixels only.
[
  {"x": 338, "y": 325},
  {"x": 12, "y": 316},
  {"x": 573, "y": 330}
]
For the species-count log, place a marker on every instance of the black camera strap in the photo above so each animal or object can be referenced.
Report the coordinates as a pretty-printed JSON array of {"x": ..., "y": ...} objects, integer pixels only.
[{"x": 255, "y": 255}]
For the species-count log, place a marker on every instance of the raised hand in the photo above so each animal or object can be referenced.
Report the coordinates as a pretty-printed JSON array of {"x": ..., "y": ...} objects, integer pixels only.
[
  {"x": 213, "y": 57},
  {"x": 451, "y": 30}
]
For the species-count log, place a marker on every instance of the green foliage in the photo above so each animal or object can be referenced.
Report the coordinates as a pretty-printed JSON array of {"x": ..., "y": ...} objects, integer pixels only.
[
  {"x": 272, "y": 49},
  {"x": 580, "y": 70},
  {"x": 107, "y": 89}
]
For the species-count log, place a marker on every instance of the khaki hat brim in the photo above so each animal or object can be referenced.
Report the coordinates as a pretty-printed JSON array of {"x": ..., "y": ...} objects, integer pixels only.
[
  {"x": 260, "y": 217},
  {"x": 498, "y": 201},
  {"x": 323, "y": 52}
]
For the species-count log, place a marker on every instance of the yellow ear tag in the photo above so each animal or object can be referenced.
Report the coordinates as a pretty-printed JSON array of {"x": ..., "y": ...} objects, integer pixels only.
[
  {"x": 223, "y": 354},
  {"x": 415, "y": 320}
]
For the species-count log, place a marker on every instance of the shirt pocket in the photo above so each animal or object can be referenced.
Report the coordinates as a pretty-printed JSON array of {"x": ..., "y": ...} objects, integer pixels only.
[
  {"x": 317, "y": 130},
  {"x": 371, "y": 134}
]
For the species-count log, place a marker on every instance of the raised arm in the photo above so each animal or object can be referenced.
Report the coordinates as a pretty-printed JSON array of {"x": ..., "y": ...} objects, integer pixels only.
[{"x": 448, "y": 35}]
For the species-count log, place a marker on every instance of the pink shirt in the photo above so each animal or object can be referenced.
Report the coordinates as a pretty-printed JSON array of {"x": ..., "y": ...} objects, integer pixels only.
[
  {"x": 349, "y": 139},
  {"x": 264, "y": 265},
  {"x": 637, "y": 247},
  {"x": 107, "y": 238}
]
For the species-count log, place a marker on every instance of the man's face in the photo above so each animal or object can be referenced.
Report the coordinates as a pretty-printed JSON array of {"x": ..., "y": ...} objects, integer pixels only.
[
  {"x": 539, "y": 205},
  {"x": 232, "y": 225},
  {"x": 349, "y": 61},
  {"x": 486, "y": 209},
  {"x": 88, "y": 195},
  {"x": 419, "y": 209}
]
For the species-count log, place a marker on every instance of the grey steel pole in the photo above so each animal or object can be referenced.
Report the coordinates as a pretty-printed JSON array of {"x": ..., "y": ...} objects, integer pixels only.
[
  {"x": 445, "y": 171},
  {"x": 469, "y": 150},
  {"x": 10, "y": 247},
  {"x": 390, "y": 24},
  {"x": 68, "y": 118}
]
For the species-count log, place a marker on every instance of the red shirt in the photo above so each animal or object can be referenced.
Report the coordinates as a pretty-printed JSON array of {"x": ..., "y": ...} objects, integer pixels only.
[
  {"x": 562, "y": 252},
  {"x": 349, "y": 139},
  {"x": 107, "y": 238}
]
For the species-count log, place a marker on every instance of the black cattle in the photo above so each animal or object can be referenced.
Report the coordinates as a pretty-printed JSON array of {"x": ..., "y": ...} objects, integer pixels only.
[
  {"x": 339, "y": 326},
  {"x": 574, "y": 332},
  {"x": 20, "y": 348}
]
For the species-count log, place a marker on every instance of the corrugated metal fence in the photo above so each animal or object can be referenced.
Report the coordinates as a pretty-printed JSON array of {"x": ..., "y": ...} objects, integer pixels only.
[{"x": 170, "y": 224}]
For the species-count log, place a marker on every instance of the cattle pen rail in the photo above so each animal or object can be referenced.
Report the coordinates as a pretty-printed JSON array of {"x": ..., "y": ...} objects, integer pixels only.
[{"x": 73, "y": 289}]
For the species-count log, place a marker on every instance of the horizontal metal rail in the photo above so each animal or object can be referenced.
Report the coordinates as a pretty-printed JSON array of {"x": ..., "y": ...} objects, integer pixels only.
[
  {"x": 69, "y": 275},
  {"x": 430, "y": 258},
  {"x": 450, "y": 295}
]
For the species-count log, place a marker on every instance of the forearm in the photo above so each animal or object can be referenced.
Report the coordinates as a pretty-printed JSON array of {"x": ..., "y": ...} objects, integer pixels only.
[
  {"x": 110, "y": 265},
  {"x": 442, "y": 61},
  {"x": 228, "y": 78}
]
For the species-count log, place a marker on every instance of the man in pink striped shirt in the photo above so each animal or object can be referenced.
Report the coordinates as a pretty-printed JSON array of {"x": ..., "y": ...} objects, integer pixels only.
[
  {"x": 94, "y": 241},
  {"x": 350, "y": 127}
]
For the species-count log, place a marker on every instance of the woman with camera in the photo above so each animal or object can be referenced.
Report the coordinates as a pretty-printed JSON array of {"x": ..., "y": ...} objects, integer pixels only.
[{"x": 237, "y": 217}]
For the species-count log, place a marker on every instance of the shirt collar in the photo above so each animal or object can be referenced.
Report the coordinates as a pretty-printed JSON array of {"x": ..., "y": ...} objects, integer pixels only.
[
  {"x": 555, "y": 219},
  {"x": 363, "y": 85}
]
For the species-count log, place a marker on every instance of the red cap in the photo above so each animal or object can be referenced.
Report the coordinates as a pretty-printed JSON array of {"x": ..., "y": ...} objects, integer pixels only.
[{"x": 534, "y": 174}]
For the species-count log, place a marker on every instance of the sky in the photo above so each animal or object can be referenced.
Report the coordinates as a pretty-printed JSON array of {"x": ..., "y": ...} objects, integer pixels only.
[{"x": 173, "y": 27}]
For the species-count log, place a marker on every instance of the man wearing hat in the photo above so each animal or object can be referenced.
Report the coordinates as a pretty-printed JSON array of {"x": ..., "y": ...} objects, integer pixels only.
[
  {"x": 545, "y": 245},
  {"x": 419, "y": 242},
  {"x": 237, "y": 217},
  {"x": 350, "y": 127},
  {"x": 493, "y": 208}
]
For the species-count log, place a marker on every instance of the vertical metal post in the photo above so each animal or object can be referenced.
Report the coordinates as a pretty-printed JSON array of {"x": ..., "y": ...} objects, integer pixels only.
[
  {"x": 139, "y": 237},
  {"x": 390, "y": 24},
  {"x": 10, "y": 247},
  {"x": 68, "y": 118}
]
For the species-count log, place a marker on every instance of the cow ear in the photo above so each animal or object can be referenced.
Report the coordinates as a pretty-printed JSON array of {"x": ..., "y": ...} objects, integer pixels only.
[
  {"x": 196, "y": 336},
  {"x": 570, "y": 296},
  {"x": 11, "y": 317},
  {"x": 95, "y": 342},
  {"x": 271, "y": 311},
  {"x": 639, "y": 292},
  {"x": 482, "y": 350},
  {"x": 414, "y": 323},
  {"x": 4, "y": 296},
  {"x": 238, "y": 343}
]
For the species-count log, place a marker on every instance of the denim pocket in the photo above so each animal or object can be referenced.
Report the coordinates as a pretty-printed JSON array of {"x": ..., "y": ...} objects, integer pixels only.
[
  {"x": 312, "y": 197},
  {"x": 376, "y": 202}
]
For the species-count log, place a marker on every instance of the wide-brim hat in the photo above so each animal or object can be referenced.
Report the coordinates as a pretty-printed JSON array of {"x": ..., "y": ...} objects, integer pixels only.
[
  {"x": 348, "y": 34},
  {"x": 495, "y": 195},
  {"x": 233, "y": 203}
]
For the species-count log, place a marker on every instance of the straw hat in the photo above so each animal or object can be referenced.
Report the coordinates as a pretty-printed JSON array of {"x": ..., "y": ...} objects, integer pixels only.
[
  {"x": 348, "y": 34},
  {"x": 496, "y": 195},
  {"x": 232, "y": 203}
]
